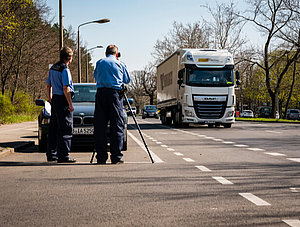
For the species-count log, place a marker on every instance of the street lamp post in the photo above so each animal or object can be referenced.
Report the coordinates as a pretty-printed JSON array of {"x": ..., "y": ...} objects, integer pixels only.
[
  {"x": 61, "y": 30},
  {"x": 78, "y": 43},
  {"x": 87, "y": 64}
]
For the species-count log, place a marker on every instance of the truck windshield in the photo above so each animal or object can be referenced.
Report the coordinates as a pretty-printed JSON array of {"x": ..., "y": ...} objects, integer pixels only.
[
  {"x": 210, "y": 77},
  {"x": 84, "y": 93}
]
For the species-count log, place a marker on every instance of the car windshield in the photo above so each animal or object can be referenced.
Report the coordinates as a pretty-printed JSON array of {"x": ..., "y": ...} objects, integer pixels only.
[
  {"x": 208, "y": 77},
  {"x": 294, "y": 111},
  {"x": 150, "y": 108},
  {"x": 247, "y": 111},
  {"x": 84, "y": 93}
]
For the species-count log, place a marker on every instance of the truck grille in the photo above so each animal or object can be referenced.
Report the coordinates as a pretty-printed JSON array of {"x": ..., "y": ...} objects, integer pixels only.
[
  {"x": 209, "y": 110},
  {"x": 88, "y": 120}
]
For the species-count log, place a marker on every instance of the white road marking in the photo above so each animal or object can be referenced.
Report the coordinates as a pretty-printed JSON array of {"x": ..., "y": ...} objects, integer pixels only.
[
  {"x": 218, "y": 140},
  {"x": 163, "y": 145},
  {"x": 159, "y": 142},
  {"x": 228, "y": 142},
  {"x": 188, "y": 160},
  {"x": 276, "y": 132},
  {"x": 210, "y": 138},
  {"x": 170, "y": 149},
  {"x": 178, "y": 154},
  {"x": 153, "y": 140},
  {"x": 294, "y": 159},
  {"x": 295, "y": 190},
  {"x": 155, "y": 158},
  {"x": 254, "y": 199},
  {"x": 222, "y": 180},
  {"x": 240, "y": 145},
  {"x": 201, "y": 135},
  {"x": 203, "y": 168},
  {"x": 255, "y": 149},
  {"x": 292, "y": 222},
  {"x": 275, "y": 154}
]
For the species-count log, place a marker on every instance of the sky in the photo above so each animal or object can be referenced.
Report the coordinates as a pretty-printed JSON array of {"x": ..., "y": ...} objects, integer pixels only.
[{"x": 135, "y": 25}]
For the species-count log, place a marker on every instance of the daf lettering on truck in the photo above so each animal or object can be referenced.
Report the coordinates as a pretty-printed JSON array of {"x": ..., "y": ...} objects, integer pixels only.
[{"x": 197, "y": 86}]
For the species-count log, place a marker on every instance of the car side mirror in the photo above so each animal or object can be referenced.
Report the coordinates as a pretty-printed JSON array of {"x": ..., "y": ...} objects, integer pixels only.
[{"x": 40, "y": 102}]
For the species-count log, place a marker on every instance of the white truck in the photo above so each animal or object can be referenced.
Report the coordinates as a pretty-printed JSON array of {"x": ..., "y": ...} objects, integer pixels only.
[{"x": 197, "y": 86}]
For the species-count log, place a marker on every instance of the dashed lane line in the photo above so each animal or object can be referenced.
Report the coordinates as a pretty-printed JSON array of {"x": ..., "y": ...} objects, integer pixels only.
[
  {"x": 203, "y": 168},
  {"x": 162, "y": 145},
  {"x": 294, "y": 159},
  {"x": 222, "y": 180},
  {"x": 274, "y": 154},
  {"x": 292, "y": 222},
  {"x": 240, "y": 145},
  {"x": 228, "y": 142},
  {"x": 156, "y": 159},
  {"x": 159, "y": 142},
  {"x": 275, "y": 132},
  {"x": 295, "y": 190},
  {"x": 254, "y": 199},
  {"x": 255, "y": 149},
  {"x": 188, "y": 160},
  {"x": 170, "y": 149},
  {"x": 178, "y": 154}
]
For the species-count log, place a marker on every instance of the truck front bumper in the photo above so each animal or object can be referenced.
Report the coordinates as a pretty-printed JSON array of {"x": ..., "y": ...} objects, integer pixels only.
[{"x": 189, "y": 116}]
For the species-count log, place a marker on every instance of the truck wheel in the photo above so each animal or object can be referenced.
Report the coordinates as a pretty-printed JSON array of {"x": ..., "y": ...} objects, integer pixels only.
[
  {"x": 227, "y": 125},
  {"x": 163, "y": 119},
  {"x": 168, "y": 120}
]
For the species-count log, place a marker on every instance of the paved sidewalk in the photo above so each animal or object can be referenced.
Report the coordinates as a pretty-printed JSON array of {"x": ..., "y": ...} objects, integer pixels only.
[{"x": 16, "y": 136}]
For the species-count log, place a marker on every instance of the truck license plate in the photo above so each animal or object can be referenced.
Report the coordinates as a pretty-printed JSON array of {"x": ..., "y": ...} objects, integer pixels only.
[
  {"x": 210, "y": 122},
  {"x": 83, "y": 131}
]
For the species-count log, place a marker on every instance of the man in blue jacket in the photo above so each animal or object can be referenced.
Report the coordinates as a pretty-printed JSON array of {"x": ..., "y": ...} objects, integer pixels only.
[
  {"x": 110, "y": 74},
  {"x": 59, "y": 90}
]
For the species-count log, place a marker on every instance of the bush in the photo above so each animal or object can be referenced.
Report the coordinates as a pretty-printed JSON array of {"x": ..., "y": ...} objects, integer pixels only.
[
  {"x": 6, "y": 107},
  {"x": 23, "y": 103}
]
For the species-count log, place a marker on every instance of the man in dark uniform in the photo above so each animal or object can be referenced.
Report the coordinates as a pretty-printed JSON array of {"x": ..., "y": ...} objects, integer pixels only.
[
  {"x": 110, "y": 74},
  {"x": 59, "y": 90}
]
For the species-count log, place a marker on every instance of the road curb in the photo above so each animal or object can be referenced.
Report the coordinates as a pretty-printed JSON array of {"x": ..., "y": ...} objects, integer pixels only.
[{"x": 4, "y": 151}]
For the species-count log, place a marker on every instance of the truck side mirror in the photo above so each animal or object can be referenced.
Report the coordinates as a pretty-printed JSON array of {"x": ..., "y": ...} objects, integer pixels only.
[
  {"x": 179, "y": 82},
  {"x": 237, "y": 77}
]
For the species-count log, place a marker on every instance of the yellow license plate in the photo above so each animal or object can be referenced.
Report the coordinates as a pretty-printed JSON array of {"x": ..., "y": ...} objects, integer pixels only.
[{"x": 203, "y": 59}]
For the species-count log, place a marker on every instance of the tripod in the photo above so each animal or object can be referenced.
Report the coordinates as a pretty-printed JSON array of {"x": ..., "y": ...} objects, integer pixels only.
[{"x": 137, "y": 126}]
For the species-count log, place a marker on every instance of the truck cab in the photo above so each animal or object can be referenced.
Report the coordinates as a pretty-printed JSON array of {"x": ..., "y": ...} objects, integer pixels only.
[{"x": 198, "y": 89}]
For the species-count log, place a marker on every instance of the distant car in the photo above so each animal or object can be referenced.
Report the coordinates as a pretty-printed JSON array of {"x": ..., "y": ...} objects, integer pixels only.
[
  {"x": 133, "y": 108},
  {"x": 293, "y": 114},
  {"x": 149, "y": 111},
  {"x": 247, "y": 113},
  {"x": 83, "y": 118}
]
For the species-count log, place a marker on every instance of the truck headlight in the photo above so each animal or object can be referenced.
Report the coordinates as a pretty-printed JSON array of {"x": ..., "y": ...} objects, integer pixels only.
[
  {"x": 188, "y": 113},
  {"x": 230, "y": 114}
]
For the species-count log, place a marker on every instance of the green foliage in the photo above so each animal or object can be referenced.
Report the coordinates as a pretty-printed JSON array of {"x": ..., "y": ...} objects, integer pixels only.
[
  {"x": 23, "y": 108},
  {"x": 6, "y": 107}
]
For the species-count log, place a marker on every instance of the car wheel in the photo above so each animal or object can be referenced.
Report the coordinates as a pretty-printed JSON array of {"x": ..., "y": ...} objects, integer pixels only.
[{"x": 43, "y": 145}]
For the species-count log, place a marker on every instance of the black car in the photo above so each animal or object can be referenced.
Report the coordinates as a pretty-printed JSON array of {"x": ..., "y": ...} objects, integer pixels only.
[
  {"x": 149, "y": 111},
  {"x": 83, "y": 118}
]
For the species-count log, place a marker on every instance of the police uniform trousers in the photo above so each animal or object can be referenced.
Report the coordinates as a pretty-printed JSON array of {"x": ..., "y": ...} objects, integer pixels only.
[
  {"x": 60, "y": 128},
  {"x": 109, "y": 108}
]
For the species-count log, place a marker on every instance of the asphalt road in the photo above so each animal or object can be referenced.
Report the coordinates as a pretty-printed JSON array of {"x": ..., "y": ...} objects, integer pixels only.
[{"x": 247, "y": 175}]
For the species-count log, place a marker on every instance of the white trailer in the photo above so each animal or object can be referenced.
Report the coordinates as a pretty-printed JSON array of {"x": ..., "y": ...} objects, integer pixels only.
[{"x": 197, "y": 86}]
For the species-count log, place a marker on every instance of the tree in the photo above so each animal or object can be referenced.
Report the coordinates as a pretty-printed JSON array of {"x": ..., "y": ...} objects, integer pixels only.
[{"x": 275, "y": 18}]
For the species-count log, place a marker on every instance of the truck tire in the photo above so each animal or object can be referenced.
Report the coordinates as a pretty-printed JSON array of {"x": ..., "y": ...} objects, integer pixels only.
[{"x": 227, "y": 125}]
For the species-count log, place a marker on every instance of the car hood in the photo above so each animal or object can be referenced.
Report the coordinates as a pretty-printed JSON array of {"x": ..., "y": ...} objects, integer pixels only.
[{"x": 86, "y": 108}]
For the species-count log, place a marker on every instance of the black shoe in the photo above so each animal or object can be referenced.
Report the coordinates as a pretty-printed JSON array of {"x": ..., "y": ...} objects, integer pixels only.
[
  {"x": 51, "y": 159},
  {"x": 99, "y": 162},
  {"x": 68, "y": 160},
  {"x": 117, "y": 162}
]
